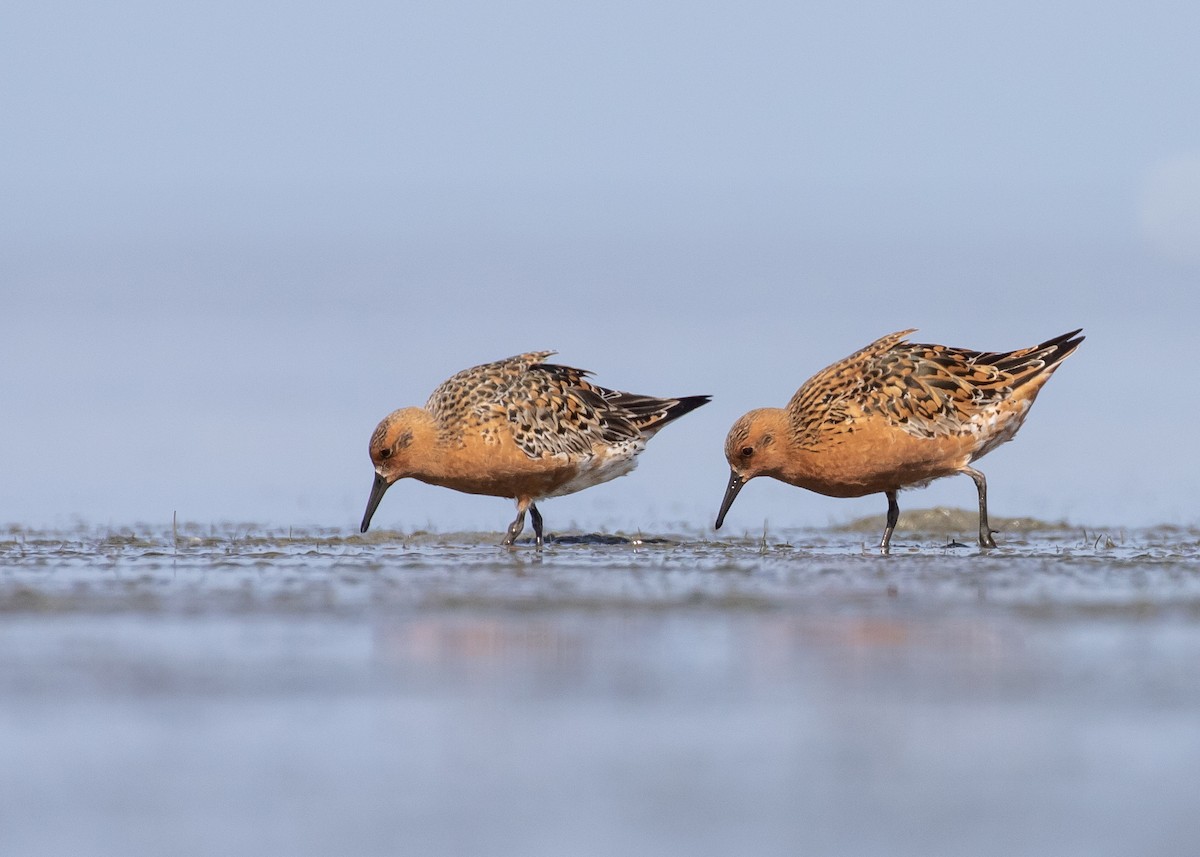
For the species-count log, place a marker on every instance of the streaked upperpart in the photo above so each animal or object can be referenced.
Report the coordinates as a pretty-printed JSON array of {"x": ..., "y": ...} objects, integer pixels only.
[
  {"x": 893, "y": 415},
  {"x": 519, "y": 428}
]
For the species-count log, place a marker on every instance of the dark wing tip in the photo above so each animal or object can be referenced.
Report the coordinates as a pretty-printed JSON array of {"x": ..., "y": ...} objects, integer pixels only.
[
  {"x": 1060, "y": 347},
  {"x": 684, "y": 405}
]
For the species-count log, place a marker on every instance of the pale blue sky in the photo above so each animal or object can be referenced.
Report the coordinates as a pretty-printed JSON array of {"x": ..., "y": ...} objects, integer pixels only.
[{"x": 235, "y": 235}]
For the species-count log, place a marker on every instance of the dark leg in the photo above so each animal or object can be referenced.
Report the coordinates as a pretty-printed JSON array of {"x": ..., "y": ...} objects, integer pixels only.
[
  {"x": 514, "y": 529},
  {"x": 985, "y": 531},
  {"x": 893, "y": 516},
  {"x": 536, "y": 517}
]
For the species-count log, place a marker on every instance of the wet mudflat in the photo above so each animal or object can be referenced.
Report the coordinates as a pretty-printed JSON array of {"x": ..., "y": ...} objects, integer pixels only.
[{"x": 236, "y": 690}]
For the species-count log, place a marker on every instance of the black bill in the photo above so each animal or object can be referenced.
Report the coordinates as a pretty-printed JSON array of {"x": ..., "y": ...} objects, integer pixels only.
[
  {"x": 378, "y": 488},
  {"x": 735, "y": 485}
]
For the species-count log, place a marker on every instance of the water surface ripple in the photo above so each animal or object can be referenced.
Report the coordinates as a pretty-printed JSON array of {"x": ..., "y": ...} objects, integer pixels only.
[{"x": 239, "y": 690}]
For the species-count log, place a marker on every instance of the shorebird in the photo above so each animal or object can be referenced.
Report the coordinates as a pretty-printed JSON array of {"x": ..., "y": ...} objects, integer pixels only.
[
  {"x": 893, "y": 415},
  {"x": 519, "y": 428}
]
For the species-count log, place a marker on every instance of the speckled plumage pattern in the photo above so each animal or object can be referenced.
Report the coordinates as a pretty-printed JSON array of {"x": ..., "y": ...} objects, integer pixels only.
[
  {"x": 894, "y": 414},
  {"x": 549, "y": 409},
  {"x": 519, "y": 428},
  {"x": 928, "y": 391}
]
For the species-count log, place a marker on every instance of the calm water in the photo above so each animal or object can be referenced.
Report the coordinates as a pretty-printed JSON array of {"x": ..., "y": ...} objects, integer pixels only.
[{"x": 225, "y": 690}]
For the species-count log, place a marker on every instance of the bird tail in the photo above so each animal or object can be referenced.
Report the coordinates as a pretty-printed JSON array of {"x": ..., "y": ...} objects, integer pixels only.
[
  {"x": 1038, "y": 362},
  {"x": 650, "y": 414}
]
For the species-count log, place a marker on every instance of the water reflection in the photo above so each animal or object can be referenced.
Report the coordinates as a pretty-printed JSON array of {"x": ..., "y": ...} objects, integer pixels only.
[{"x": 695, "y": 697}]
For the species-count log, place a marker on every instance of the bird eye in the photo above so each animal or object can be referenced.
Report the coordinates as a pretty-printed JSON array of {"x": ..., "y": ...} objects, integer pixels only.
[
  {"x": 747, "y": 451},
  {"x": 385, "y": 453}
]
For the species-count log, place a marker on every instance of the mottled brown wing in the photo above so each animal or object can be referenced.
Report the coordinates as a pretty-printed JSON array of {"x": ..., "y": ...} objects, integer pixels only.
[
  {"x": 473, "y": 397},
  {"x": 935, "y": 390},
  {"x": 831, "y": 399},
  {"x": 950, "y": 391},
  {"x": 926, "y": 390},
  {"x": 549, "y": 409},
  {"x": 554, "y": 409}
]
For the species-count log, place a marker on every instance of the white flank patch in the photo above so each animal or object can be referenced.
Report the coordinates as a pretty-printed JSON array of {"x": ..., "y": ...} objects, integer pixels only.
[
  {"x": 1009, "y": 423},
  {"x": 596, "y": 469}
]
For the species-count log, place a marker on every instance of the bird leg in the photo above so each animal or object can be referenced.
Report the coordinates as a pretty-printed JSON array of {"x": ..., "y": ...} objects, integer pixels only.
[
  {"x": 514, "y": 529},
  {"x": 536, "y": 517},
  {"x": 893, "y": 516},
  {"x": 985, "y": 531}
]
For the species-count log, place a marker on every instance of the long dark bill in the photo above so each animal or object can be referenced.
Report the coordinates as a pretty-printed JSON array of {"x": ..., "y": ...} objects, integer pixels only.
[
  {"x": 378, "y": 487},
  {"x": 735, "y": 485}
]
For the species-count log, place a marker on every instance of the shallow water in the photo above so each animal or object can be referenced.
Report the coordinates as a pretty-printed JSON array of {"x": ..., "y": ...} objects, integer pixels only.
[{"x": 235, "y": 690}]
